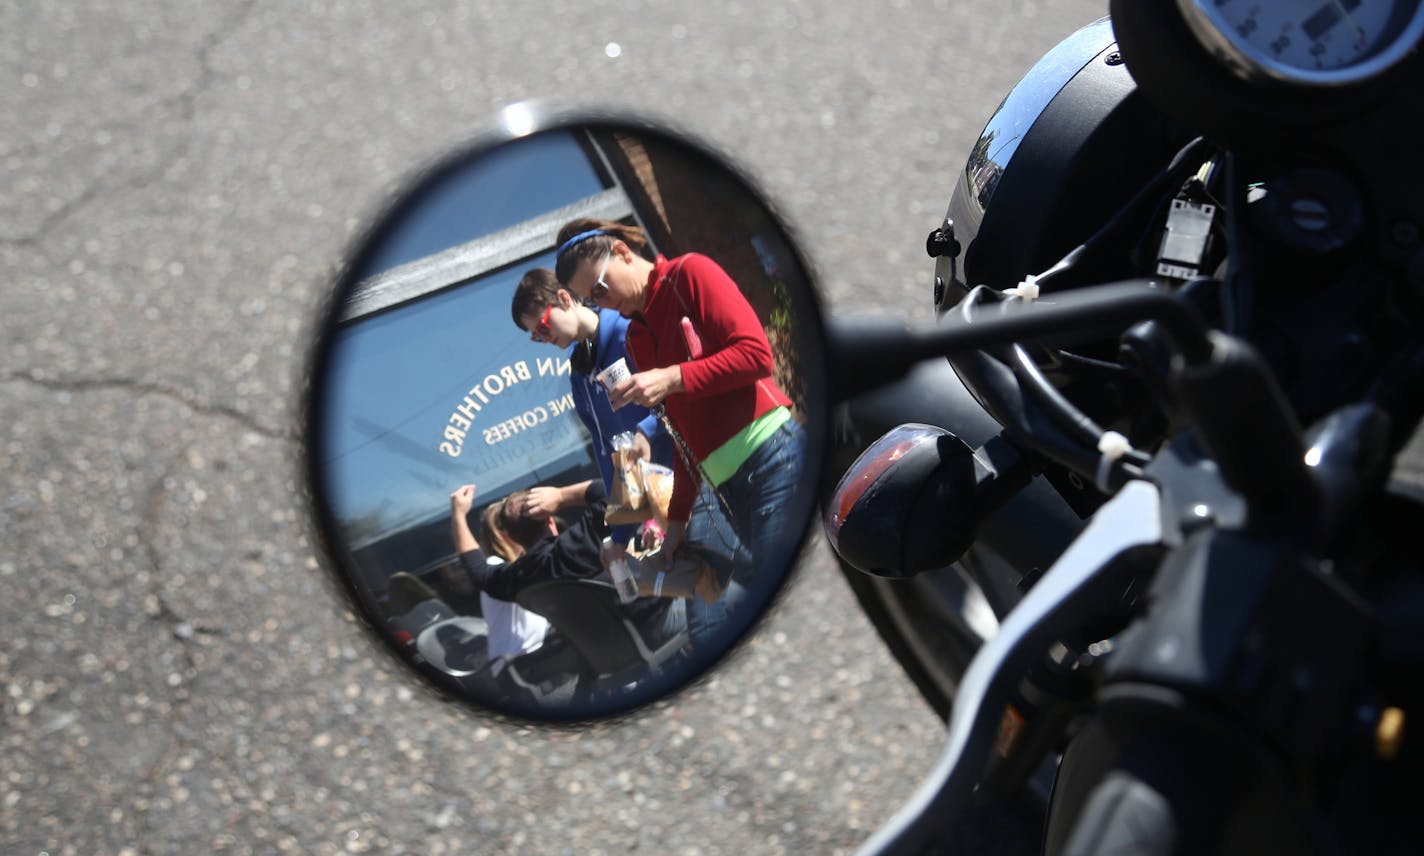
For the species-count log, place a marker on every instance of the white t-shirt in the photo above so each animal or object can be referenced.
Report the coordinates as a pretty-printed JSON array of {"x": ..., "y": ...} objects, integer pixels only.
[{"x": 513, "y": 630}]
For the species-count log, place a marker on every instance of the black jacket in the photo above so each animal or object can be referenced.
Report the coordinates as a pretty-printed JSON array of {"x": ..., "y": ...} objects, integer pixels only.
[{"x": 573, "y": 554}]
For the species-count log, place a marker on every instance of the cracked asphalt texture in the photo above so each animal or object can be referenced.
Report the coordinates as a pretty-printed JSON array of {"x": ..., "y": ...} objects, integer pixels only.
[{"x": 180, "y": 181}]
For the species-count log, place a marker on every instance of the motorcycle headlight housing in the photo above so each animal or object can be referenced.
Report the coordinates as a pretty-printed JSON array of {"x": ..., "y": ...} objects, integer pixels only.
[{"x": 1065, "y": 150}]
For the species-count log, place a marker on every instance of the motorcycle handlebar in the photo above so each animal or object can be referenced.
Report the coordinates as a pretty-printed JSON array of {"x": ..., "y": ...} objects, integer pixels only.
[
  {"x": 1223, "y": 384},
  {"x": 868, "y": 353}
]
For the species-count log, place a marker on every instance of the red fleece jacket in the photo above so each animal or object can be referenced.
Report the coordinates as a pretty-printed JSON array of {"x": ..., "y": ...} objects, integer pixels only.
[{"x": 726, "y": 388}]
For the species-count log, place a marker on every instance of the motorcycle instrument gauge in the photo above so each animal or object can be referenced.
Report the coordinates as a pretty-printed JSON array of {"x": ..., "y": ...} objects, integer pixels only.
[{"x": 1307, "y": 43}]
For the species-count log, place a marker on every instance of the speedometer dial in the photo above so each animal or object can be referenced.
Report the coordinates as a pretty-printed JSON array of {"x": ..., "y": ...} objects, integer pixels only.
[{"x": 1307, "y": 42}]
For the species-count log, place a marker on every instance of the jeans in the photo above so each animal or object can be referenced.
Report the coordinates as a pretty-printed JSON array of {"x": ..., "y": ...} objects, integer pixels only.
[
  {"x": 711, "y": 534},
  {"x": 759, "y": 496},
  {"x": 742, "y": 536},
  {"x": 704, "y": 619}
]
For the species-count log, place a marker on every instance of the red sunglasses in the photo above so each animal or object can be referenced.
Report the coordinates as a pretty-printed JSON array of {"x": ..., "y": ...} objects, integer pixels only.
[{"x": 542, "y": 329}]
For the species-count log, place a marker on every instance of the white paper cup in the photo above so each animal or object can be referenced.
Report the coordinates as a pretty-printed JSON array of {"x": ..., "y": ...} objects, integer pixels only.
[{"x": 614, "y": 374}]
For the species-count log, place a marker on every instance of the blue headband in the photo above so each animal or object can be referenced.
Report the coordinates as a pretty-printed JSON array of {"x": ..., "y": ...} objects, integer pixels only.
[{"x": 576, "y": 238}]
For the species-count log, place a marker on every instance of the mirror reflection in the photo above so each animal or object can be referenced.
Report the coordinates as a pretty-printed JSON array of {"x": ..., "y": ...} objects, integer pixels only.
[{"x": 561, "y": 439}]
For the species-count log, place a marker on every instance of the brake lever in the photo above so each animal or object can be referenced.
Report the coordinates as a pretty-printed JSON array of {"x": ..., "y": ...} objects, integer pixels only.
[{"x": 1089, "y": 569}]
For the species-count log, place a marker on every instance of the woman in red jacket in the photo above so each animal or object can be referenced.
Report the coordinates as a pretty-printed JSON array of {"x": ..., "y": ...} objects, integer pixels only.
[{"x": 699, "y": 351}]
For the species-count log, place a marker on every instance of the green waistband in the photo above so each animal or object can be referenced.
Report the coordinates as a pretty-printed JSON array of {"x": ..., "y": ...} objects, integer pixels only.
[{"x": 728, "y": 457}]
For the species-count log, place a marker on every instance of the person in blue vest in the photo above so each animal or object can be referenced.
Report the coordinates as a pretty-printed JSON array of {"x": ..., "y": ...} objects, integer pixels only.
[
  {"x": 551, "y": 315},
  {"x": 595, "y": 339}
]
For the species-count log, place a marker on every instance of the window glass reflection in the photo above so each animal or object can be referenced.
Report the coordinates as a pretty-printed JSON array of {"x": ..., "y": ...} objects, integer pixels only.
[
  {"x": 508, "y": 186},
  {"x": 441, "y": 392}
]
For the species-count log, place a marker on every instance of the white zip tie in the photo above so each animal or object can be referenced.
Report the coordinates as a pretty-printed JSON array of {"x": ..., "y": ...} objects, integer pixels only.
[
  {"x": 1028, "y": 289},
  {"x": 1113, "y": 446}
]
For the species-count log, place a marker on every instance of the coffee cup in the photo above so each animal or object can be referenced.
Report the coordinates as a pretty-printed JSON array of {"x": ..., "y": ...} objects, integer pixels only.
[{"x": 615, "y": 374}]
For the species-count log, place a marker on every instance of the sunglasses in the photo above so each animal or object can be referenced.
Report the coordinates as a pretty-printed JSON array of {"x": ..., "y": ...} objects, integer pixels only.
[
  {"x": 599, "y": 290},
  {"x": 542, "y": 330}
]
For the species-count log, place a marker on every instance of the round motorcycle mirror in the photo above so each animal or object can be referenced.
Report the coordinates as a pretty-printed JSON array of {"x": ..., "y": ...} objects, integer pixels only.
[{"x": 566, "y": 415}]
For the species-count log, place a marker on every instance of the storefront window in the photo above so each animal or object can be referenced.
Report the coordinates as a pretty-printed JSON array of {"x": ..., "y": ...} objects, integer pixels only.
[{"x": 444, "y": 390}]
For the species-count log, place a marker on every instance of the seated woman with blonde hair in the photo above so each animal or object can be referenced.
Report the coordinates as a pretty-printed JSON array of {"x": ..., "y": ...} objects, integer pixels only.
[
  {"x": 513, "y": 630},
  {"x": 531, "y": 550}
]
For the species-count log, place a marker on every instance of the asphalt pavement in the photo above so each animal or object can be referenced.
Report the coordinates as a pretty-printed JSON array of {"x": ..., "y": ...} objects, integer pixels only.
[{"x": 181, "y": 181}]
